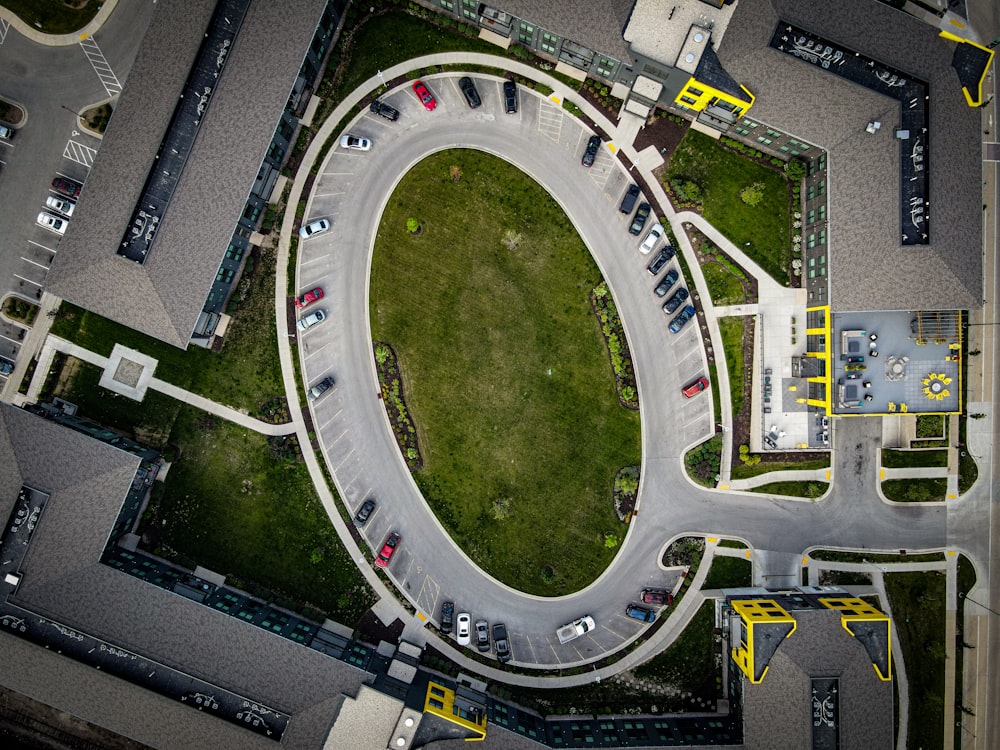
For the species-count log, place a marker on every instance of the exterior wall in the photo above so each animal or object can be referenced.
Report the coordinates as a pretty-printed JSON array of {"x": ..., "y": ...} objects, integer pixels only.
[
  {"x": 231, "y": 266},
  {"x": 544, "y": 42}
]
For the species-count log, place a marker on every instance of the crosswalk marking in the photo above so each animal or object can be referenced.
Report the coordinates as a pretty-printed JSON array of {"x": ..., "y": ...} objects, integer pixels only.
[
  {"x": 80, "y": 153},
  {"x": 100, "y": 66}
]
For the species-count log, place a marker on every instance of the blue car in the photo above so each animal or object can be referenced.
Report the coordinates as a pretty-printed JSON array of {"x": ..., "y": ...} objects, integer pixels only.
[
  {"x": 681, "y": 320},
  {"x": 640, "y": 613}
]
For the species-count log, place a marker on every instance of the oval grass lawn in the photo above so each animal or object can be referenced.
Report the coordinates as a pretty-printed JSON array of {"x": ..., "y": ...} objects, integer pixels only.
[{"x": 505, "y": 370}]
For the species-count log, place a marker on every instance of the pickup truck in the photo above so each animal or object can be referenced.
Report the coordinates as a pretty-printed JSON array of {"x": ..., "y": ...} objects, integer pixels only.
[
  {"x": 500, "y": 642},
  {"x": 575, "y": 629}
]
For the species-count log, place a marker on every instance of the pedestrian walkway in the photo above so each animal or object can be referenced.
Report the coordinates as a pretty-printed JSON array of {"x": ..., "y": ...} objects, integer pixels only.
[
  {"x": 55, "y": 344},
  {"x": 60, "y": 40}
]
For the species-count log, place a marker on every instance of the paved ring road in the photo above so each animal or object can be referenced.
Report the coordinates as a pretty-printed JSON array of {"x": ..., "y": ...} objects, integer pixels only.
[{"x": 546, "y": 142}]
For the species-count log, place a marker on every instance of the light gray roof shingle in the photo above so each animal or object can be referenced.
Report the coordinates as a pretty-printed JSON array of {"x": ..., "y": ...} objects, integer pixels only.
[
  {"x": 63, "y": 579},
  {"x": 164, "y": 296},
  {"x": 869, "y": 267}
]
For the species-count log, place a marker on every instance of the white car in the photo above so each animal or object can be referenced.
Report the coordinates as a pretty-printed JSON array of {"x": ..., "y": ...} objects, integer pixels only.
[
  {"x": 6, "y": 132},
  {"x": 63, "y": 205},
  {"x": 651, "y": 239},
  {"x": 313, "y": 228},
  {"x": 355, "y": 142},
  {"x": 463, "y": 630},
  {"x": 52, "y": 222},
  {"x": 311, "y": 320}
]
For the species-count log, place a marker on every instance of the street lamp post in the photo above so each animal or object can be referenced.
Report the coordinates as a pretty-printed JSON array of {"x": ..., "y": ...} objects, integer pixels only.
[
  {"x": 964, "y": 596},
  {"x": 382, "y": 78}
]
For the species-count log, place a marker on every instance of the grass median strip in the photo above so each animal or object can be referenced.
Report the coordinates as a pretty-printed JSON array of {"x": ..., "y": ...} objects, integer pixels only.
[{"x": 505, "y": 369}]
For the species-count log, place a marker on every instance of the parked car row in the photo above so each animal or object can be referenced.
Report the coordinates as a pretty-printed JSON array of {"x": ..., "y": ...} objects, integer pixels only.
[
  {"x": 59, "y": 207},
  {"x": 465, "y": 631},
  {"x": 469, "y": 91}
]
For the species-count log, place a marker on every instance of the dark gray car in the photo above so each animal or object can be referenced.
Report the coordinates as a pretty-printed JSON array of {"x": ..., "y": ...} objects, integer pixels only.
[
  {"x": 509, "y": 97},
  {"x": 469, "y": 89}
]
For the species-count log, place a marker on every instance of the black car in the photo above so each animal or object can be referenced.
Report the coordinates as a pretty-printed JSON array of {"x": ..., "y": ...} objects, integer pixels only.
[
  {"x": 469, "y": 89},
  {"x": 482, "y": 635},
  {"x": 500, "y": 642},
  {"x": 639, "y": 220},
  {"x": 384, "y": 110},
  {"x": 320, "y": 388},
  {"x": 447, "y": 617},
  {"x": 628, "y": 202},
  {"x": 660, "y": 260},
  {"x": 364, "y": 512},
  {"x": 666, "y": 282},
  {"x": 677, "y": 299},
  {"x": 681, "y": 320},
  {"x": 509, "y": 97},
  {"x": 591, "y": 153}
]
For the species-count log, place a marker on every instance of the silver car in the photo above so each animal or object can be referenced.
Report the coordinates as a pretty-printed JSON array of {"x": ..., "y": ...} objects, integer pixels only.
[
  {"x": 311, "y": 320},
  {"x": 313, "y": 228}
]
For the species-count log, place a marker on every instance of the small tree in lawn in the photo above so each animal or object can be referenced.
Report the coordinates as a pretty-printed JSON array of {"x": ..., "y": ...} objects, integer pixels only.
[{"x": 413, "y": 226}]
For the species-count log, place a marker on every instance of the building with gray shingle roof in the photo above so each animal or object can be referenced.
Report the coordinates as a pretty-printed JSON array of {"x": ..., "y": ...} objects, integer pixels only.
[
  {"x": 870, "y": 268},
  {"x": 165, "y": 296},
  {"x": 63, "y": 579}
]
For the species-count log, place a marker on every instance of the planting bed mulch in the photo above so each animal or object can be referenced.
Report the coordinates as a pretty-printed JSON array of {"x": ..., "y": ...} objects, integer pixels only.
[
  {"x": 614, "y": 336},
  {"x": 664, "y": 132},
  {"x": 395, "y": 405},
  {"x": 625, "y": 497},
  {"x": 592, "y": 91}
]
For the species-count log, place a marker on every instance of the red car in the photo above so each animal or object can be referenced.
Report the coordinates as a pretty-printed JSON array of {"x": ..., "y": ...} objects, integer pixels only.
[
  {"x": 658, "y": 597},
  {"x": 66, "y": 186},
  {"x": 308, "y": 298},
  {"x": 695, "y": 388},
  {"x": 424, "y": 96},
  {"x": 388, "y": 549}
]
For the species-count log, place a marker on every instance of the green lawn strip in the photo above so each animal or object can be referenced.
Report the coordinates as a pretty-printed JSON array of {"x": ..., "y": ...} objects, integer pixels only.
[
  {"x": 731, "y": 330},
  {"x": 919, "y": 490},
  {"x": 917, "y": 601},
  {"x": 54, "y": 16},
  {"x": 688, "y": 664},
  {"x": 968, "y": 471},
  {"x": 808, "y": 489},
  {"x": 873, "y": 557},
  {"x": 505, "y": 370},
  {"x": 388, "y": 39},
  {"x": 897, "y": 459},
  {"x": 742, "y": 471},
  {"x": 723, "y": 286},
  {"x": 722, "y": 174},
  {"x": 732, "y": 544},
  {"x": 930, "y": 426},
  {"x": 728, "y": 573},
  {"x": 231, "y": 505},
  {"x": 245, "y": 375},
  {"x": 966, "y": 582},
  {"x": 148, "y": 423}
]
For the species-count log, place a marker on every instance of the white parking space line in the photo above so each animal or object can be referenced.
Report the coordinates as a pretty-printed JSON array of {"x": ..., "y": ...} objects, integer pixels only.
[
  {"x": 28, "y": 280},
  {"x": 317, "y": 351},
  {"x": 80, "y": 153},
  {"x": 321, "y": 256},
  {"x": 100, "y": 65},
  {"x": 33, "y": 262},
  {"x": 346, "y": 457},
  {"x": 428, "y": 595},
  {"x": 684, "y": 358},
  {"x": 4, "y": 27},
  {"x": 698, "y": 418},
  {"x": 43, "y": 247},
  {"x": 13, "y": 341}
]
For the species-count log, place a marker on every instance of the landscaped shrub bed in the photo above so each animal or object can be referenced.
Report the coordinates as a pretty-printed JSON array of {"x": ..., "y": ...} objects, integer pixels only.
[
  {"x": 614, "y": 336},
  {"x": 626, "y": 491},
  {"x": 930, "y": 426},
  {"x": 20, "y": 310},
  {"x": 395, "y": 406},
  {"x": 703, "y": 462}
]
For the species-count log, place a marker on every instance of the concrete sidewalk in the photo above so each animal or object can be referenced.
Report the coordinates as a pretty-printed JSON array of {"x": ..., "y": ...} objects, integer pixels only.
[{"x": 59, "y": 40}]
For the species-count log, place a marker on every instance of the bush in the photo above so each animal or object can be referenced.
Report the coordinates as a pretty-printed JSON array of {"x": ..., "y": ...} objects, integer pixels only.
[
  {"x": 795, "y": 170},
  {"x": 753, "y": 194}
]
